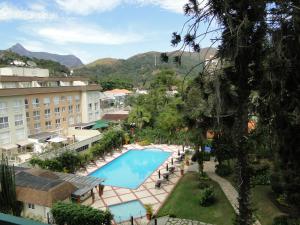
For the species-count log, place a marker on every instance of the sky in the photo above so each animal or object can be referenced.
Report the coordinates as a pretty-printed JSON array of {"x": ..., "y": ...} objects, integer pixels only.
[{"x": 91, "y": 29}]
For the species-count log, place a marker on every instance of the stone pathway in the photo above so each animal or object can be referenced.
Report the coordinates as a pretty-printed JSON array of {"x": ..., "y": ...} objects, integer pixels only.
[
  {"x": 176, "y": 221},
  {"x": 228, "y": 189}
]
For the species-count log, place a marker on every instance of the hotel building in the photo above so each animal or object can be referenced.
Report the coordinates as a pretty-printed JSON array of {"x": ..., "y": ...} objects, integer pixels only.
[{"x": 32, "y": 103}]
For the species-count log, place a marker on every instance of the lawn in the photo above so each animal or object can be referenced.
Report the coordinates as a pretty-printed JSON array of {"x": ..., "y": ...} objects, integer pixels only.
[
  {"x": 184, "y": 203},
  {"x": 266, "y": 210}
]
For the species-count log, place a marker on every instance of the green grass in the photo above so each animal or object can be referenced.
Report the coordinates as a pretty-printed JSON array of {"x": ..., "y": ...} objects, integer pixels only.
[
  {"x": 183, "y": 202},
  {"x": 266, "y": 210}
]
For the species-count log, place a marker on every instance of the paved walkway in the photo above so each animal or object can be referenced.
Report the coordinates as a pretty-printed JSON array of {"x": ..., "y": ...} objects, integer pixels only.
[
  {"x": 228, "y": 189},
  {"x": 176, "y": 221}
]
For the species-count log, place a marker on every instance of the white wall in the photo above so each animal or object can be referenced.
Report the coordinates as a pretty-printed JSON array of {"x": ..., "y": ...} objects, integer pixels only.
[
  {"x": 90, "y": 114},
  {"x": 25, "y": 72},
  {"x": 39, "y": 212}
]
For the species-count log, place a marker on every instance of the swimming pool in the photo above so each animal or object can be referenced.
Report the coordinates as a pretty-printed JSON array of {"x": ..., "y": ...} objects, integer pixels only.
[
  {"x": 132, "y": 168},
  {"x": 124, "y": 211}
]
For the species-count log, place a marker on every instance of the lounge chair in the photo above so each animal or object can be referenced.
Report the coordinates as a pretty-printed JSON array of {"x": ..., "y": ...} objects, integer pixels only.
[
  {"x": 158, "y": 184},
  {"x": 172, "y": 169},
  {"x": 166, "y": 176}
]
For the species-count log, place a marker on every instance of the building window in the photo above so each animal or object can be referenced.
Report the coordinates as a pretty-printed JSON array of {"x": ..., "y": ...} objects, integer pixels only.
[
  {"x": 70, "y": 109},
  {"x": 77, "y": 98},
  {"x": 90, "y": 107},
  {"x": 63, "y": 109},
  {"x": 4, "y": 122},
  {"x": 47, "y": 102},
  {"x": 78, "y": 108},
  {"x": 47, "y": 113},
  {"x": 5, "y": 138},
  {"x": 26, "y": 103},
  {"x": 56, "y": 100},
  {"x": 3, "y": 108},
  {"x": 36, "y": 115},
  {"x": 37, "y": 127},
  {"x": 18, "y": 105},
  {"x": 36, "y": 102},
  {"x": 20, "y": 134},
  {"x": 57, "y": 123},
  {"x": 19, "y": 120},
  {"x": 71, "y": 120},
  {"x": 96, "y": 106},
  {"x": 70, "y": 99},
  {"x": 57, "y": 111},
  {"x": 48, "y": 124},
  {"x": 30, "y": 205},
  {"x": 63, "y": 98}
]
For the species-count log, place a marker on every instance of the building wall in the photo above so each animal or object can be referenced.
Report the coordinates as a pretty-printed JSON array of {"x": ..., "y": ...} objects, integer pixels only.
[
  {"x": 39, "y": 212},
  {"x": 53, "y": 112},
  {"x": 12, "y": 110},
  {"x": 26, "y": 72},
  {"x": 90, "y": 106}
]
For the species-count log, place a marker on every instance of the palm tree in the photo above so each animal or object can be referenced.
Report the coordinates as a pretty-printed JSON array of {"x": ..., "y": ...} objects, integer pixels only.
[{"x": 139, "y": 116}]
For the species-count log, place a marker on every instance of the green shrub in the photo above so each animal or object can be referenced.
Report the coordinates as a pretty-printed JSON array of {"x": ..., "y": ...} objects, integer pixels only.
[
  {"x": 276, "y": 183},
  {"x": 206, "y": 156},
  {"x": 261, "y": 174},
  {"x": 203, "y": 185},
  {"x": 207, "y": 196},
  {"x": 223, "y": 170},
  {"x": 72, "y": 213},
  {"x": 285, "y": 220}
]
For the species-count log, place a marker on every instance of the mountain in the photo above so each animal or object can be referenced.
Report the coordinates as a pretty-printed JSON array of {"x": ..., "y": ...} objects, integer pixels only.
[
  {"x": 55, "y": 68},
  {"x": 141, "y": 68},
  {"x": 70, "y": 61}
]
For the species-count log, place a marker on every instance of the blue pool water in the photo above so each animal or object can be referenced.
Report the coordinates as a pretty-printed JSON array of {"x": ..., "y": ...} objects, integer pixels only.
[
  {"x": 132, "y": 168},
  {"x": 123, "y": 212}
]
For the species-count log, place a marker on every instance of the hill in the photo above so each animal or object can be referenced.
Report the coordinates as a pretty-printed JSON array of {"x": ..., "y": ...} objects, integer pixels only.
[
  {"x": 141, "y": 67},
  {"x": 70, "y": 61},
  {"x": 55, "y": 68}
]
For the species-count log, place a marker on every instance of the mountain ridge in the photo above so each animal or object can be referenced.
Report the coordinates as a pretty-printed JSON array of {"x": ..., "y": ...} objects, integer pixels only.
[{"x": 71, "y": 61}]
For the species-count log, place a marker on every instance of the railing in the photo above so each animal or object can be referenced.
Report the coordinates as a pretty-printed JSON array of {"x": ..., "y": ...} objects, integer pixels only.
[{"x": 72, "y": 147}]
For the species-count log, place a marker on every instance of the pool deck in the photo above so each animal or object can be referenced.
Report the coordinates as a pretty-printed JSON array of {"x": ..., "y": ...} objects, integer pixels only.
[{"x": 146, "y": 193}]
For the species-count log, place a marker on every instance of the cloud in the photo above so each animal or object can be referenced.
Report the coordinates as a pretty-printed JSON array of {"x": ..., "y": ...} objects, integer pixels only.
[
  {"x": 10, "y": 12},
  {"x": 170, "y": 5},
  {"x": 83, "y": 34},
  {"x": 85, "y": 7}
]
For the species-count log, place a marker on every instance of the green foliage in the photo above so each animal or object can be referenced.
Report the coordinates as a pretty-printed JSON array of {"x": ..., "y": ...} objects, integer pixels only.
[
  {"x": 8, "y": 197},
  {"x": 223, "y": 170},
  {"x": 70, "y": 161},
  {"x": 76, "y": 214},
  {"x": 261, "y": 174},
  {"x": 55, "y": 68},
  {"x": 285, "y": 220},
  {"x": 207, "y": 196}
]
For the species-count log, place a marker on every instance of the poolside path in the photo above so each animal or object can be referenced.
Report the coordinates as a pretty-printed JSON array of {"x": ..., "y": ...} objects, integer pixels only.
[
  {"x": 176, "y": 221},
  {"x": 228, "y": 189}
]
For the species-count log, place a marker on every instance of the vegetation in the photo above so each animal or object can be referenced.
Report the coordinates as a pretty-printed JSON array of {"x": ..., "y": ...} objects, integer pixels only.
[
  {"x": 207, "y": 196},
  {"x": 184, "y": 202},
  {"x": 69, "y": 162},
  {"x": 8, "y": 197},
  {"x": 55, "y": 68},
  {"x": 140, "y": 70},
  {"x": 76, "y": 214}
]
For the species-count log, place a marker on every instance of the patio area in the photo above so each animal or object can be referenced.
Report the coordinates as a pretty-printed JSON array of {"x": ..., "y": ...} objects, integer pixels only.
[{"x": 146, "y": 193}]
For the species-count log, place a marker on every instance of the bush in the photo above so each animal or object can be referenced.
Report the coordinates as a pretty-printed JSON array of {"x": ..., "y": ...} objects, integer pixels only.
[
  {"x": 207, "y": 196},
  {"x": 285, "y": 220},
  {"x": 203, "y": 185},
  {"x": 72, "y": 213},
  {"x": 223, "y": 170},
  {"x": 261, "y": 174},
  {"x": 276, "y": 183},
  {"x": 206, "y": 156},
  {"x": 144, "y": 143}
]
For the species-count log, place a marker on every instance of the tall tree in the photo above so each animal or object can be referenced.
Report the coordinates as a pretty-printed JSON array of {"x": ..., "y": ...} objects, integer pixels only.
[
  {"x": 8, "y": 197},
  {"x": 241, "y": 50}
]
